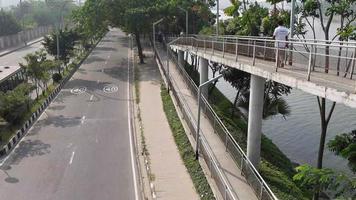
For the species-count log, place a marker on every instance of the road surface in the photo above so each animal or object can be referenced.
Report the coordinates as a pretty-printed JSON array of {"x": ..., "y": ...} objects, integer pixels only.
[
  {"x": 81, "y": 147},
  {"x": 15, "y": 57}
]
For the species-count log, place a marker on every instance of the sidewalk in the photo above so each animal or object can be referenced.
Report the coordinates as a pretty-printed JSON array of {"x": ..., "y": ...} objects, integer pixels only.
[
  {"x": 233, "y": 174},
  {"x": 170, "y": 177}
]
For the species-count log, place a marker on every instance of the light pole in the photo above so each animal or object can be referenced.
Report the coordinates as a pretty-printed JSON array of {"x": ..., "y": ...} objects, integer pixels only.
[
  {"x": 186, "y": 20},
  {"x": 199, "y": 110},
  {"x": 58, "y": 27},
  {"x": 292, "y": 22},
  {"x": 154, "y": 32},
  {"x": 217, "y": 17}
]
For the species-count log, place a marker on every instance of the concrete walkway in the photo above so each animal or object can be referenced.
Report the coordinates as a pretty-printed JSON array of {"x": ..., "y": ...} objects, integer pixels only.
[
  {"x": 171, "y": 179},
  {"x": 233, "y": 174}
]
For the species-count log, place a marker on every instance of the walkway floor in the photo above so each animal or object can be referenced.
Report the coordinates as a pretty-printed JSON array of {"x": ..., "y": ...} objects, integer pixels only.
[
  {"x": 330, "y": 86},
  {"x": 227, "y": 165},
  {"x": 171, "y": 179}
]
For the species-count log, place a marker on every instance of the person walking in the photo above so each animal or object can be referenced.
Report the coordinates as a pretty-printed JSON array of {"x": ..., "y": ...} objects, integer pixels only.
[{"x": 280, "y": 34}]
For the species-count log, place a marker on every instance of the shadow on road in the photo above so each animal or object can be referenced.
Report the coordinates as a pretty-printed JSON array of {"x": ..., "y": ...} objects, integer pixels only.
[
  {"x": 92, "y": 59},
  {"x": 104, "y": 49},
  {"x": 28, "y": 148},
  {"x": 56, "y": 121}
]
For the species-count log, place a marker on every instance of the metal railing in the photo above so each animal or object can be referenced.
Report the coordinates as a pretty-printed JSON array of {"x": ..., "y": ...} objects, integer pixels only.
[
  {"x": 252, "y": 176},
  {"x": 205, "y": 150},
  {"x": 307, "y": 56}
]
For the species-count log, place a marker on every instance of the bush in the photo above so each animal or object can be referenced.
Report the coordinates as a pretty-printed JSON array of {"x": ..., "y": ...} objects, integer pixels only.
[
  {"x": 14, "y": 103},
  {"x": 56, "y": 77}
]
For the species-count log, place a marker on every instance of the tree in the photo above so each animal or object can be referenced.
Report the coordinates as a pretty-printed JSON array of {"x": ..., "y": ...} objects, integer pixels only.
[
  {"x": 344, "y": 145},
  {"x": 13, "y": 104},
  {"x": 8, "y": 24},
  {"x": 67, "y": 40},
  {"x": 273, "y": 102},
  {"x": 233, "y": 10},
  {"x": 336, "y": 185},
  {"x": 36, "y": 69}
]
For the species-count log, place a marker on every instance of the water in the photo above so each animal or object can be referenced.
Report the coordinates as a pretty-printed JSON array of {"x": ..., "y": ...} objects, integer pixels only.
[{"x": 298, "y": 135}]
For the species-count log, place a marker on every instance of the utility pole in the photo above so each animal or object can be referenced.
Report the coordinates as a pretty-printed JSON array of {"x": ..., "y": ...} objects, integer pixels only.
[
  {"x": 217, "y": 17},
  {"x": 292, "y": 23}
]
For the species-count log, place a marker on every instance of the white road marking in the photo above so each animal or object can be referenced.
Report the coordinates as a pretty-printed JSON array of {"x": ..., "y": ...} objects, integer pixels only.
[
  {"x": 82, "y": 120},
  {"x": 71, "y": 158},
  {"x": 130, "y": 130},
  {"x": 106, "y": 62},
  {"x": 109, "y": 55},
  {"x": 91, "y": 97}
]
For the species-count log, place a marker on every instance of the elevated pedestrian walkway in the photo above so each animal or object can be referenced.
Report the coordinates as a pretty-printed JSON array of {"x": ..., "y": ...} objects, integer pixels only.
[{"x": 320, "y": 68}]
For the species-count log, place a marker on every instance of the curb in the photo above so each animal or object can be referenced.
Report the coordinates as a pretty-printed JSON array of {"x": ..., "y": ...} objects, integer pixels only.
[
  {"x": 5, "y": 149},
  {"x": 21, "y": 47}
]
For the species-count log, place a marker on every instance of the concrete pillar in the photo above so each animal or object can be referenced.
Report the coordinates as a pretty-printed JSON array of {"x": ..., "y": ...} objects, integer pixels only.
[
  {"x": 204, "y": 71},
  {"x": 181, "y": 58},
  {"x": 255, "y": 119}
]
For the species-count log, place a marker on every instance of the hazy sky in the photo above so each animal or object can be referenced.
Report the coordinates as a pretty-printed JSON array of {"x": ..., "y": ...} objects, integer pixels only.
[{"x": 223, "y": 3}]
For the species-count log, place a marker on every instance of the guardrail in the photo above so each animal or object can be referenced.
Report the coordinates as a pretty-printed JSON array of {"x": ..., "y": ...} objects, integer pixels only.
[
  {"x": 205, "y": 150},
  {"x": 252, "y": 176},
  {"x": 306, "y": 56}
]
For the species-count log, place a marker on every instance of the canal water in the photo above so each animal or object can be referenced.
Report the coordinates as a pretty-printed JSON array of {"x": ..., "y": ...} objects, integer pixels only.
[{"x": 298, "y": 134}]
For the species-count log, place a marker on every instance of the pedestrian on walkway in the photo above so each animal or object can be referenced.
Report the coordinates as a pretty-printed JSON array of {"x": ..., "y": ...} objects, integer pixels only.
[{"x": 281, "y": 35}]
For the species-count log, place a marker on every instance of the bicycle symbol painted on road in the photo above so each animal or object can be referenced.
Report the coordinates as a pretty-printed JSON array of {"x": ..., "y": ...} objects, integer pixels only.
[
  {"x": 78, "y": 90},
  {"x": 110, "y": 88}
]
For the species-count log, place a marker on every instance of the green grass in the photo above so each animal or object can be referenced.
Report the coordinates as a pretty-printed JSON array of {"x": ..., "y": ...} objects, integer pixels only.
[
  {"x": 185, "y": 149},
  {"x": 276, "y": 168}
]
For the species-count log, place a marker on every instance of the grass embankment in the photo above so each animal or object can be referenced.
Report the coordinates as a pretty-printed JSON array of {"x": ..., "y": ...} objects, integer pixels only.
[
  {"x": 276, "y": 168},
  {"x": 185, "y": 149}
]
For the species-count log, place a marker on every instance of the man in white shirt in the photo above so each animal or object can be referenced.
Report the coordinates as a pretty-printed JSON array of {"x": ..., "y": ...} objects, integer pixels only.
[{"x": 281, "y": 34}]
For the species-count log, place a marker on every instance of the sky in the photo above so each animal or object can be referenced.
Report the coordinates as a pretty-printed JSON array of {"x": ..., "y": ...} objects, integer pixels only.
[{"x": 223, "y": 3}]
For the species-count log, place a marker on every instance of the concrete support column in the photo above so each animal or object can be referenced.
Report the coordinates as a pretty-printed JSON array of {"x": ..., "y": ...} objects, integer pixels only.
[
  {"x": 255, "y": 119},
  {"x": 204, "y": 71},
  {"x": 181, "y": 58}
]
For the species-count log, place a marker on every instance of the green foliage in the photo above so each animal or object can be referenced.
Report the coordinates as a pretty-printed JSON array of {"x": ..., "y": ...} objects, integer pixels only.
[
  {"x": 56, "y": 77},
  {"x": 67, "y": 40},
  {"x": 336, "y": 185},
  {"x": 249, "y": 22},
  {"x": 270, "y": 22},
  {"x": 185, "y": 149},
  {"x": 8, "y": 24},
  {"x": 233, "y": 10},
  {"x": 14, "y": 103},
  {"x": 345, "y": 146}
]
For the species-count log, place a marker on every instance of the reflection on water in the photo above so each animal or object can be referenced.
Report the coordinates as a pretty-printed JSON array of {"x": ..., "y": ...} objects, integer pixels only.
[{"x": 298, "y": 135}]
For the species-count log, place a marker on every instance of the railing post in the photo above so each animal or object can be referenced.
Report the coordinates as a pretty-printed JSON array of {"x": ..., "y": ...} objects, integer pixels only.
[
  {"x": 226, "y": 143},
  {"x": 212, "y": 45},
  {"x": 310, "y": 61},
  {"x": 261, "y": 193},
  {"x": 277, "y": 56},
  {"x": 264, "y": 50},
  {"x": 254, "y": 53},
  {"x": 225, "y": 195},
  {"x": 223, "y": 47},
  {"x": 204, "y": 45},
  {"x": 353, "y": 65},
  {"x": 236, "y": 48}
]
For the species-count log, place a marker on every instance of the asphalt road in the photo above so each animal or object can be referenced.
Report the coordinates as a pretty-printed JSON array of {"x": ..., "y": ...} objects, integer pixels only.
[
  {"x": 81, "y": 147},
  {"x": 14, "y": 58}
]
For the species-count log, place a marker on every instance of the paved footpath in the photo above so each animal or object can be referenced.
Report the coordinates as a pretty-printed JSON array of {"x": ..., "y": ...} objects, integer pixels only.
[
  {"x": 171, "y": 178},
  {"x": 233, "y": 174},
  {"x": 81, "y": 147}
]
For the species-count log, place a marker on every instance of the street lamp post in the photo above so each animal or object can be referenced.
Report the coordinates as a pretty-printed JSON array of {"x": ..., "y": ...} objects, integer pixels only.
[
  {"x": 199, "y": 111},
  {"x": 186, "y": 20},
  {"x": 217, "y": 17},
  {"x": 154, "y": 32},
  {"x": 292, "y": 22}
]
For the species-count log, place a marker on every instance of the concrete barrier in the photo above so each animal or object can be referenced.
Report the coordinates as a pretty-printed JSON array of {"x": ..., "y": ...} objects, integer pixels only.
[{"x": 19, "y": 38}]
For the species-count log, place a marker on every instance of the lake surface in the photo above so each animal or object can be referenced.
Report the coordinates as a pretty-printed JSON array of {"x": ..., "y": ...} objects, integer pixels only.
[{"x": 298, "y": 135}]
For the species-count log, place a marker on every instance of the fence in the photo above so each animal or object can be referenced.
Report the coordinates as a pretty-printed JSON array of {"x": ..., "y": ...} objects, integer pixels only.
[
  {"x": 248, "y": 170},
  {"x": 337, "y": 58},
  {"x": 23, "y": 36}
]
